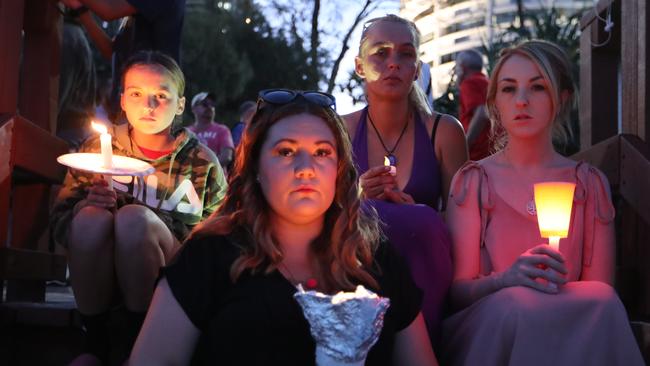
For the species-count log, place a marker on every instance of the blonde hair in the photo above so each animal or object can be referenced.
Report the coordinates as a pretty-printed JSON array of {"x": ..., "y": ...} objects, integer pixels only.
[
  {"x": 343, "y": 251},
  {"x": 416, "y": 96},
  {"x": 555, "y": 67}
]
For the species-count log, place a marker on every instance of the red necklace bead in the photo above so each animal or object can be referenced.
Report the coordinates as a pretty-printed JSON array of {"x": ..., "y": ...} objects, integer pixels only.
[{"x": 311, "y": 283}]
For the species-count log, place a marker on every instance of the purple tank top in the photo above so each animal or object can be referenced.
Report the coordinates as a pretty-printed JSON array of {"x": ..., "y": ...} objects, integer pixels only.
[{"x": 424, "y": 183}]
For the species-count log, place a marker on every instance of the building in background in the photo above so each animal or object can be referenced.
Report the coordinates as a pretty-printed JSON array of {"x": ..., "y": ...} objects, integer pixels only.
[{"x": 451, "y": 26}]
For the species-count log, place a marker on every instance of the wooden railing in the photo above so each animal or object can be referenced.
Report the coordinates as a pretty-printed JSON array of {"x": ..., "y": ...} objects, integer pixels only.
[
  {"x": 625, "y": 161},
  {"x": 30, "y": 38}
]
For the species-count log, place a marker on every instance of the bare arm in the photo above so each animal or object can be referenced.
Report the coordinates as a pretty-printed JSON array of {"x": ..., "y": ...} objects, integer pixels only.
[
  {"x": 451, "y": 150},
  {"x": 412, "y": 345},
  {"x": 479, "y": 122},
  {"x": 604, "y": 255},
  {"x": 464, "y": 222},
  {"x": 600, "y": 232},
  {"x": 167, "y": 337}
]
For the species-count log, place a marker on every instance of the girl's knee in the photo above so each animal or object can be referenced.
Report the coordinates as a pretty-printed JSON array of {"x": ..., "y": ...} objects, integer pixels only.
[
  {"x": 92, "y": 217},
  {"x": 131, "y": 215},
  {"x": 91, "y": 229},
  {"x": 135, "y": 221},
  {"x": 137, "y": 228}
]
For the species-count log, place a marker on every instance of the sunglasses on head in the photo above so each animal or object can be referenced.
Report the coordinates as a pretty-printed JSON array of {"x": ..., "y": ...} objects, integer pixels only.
[{"x": 284, "y": 96}]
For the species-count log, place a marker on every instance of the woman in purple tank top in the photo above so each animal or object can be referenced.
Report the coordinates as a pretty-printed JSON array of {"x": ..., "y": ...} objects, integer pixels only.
[{"x": 424, "y": 150}]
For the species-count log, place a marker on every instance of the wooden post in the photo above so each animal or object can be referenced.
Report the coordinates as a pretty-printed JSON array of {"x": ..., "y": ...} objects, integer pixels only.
[
  {"x": 598, "y": 77},
  {"x": 11, "y": 23},
  {"x": 30, "y": 35},
  {"x": 39, "y": 94}
]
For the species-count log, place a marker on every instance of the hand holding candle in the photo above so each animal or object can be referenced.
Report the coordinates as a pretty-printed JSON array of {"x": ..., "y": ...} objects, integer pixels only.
[
  {"x": 393, "y": 169},
  {"x": 106, "y": 148}
]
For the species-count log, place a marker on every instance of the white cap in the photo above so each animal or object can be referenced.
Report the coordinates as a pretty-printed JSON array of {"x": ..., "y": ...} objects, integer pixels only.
[{"x": 201, "y": 97}]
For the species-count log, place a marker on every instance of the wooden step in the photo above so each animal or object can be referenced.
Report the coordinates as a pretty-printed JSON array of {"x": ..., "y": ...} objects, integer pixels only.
[{"x": 642, "y": 333}]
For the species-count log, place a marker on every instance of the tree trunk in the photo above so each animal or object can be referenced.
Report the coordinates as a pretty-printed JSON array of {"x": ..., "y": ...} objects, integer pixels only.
[{"x": 520, "y": 13}]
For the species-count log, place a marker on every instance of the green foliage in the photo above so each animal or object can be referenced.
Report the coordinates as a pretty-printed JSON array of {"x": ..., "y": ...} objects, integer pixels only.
[{"x": 234, "y": 59}]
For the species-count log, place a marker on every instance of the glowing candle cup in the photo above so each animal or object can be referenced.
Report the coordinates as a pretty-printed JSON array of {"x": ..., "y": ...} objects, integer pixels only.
[
  {"x": 393, "y": 169},
  {"x": 106, "y": 148},
  {"x": 553, "y": 202}
]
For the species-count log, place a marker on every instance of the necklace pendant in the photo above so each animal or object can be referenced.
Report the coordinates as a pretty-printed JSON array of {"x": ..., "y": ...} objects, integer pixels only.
[
  {"x": 530, "y": 208},
  {"x": 392, "y": 159},
  {"x": 311, "y": 284}
]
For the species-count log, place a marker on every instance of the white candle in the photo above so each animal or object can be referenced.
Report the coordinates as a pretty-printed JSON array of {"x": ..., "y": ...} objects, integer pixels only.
[
  {"x": 106, "y": 144},
  {"x": 393, "y": 169},
  {"x": 106, "y": 149}
]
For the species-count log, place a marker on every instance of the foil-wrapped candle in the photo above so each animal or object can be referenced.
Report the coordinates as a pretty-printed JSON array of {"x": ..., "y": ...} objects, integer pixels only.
[
  {"x": 553, "y": 203},
  {"x": 344, "y": 326},
  {"x": 393, "y": 169},
  {"x": 106, "y": 148}
]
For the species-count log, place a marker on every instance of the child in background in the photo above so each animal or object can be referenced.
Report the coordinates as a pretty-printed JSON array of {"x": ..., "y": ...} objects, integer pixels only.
[{"x": 117, "y": 240}]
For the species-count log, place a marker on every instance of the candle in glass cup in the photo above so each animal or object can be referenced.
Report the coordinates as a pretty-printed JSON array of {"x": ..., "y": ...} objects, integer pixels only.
[{"x": 553, "y": 203}]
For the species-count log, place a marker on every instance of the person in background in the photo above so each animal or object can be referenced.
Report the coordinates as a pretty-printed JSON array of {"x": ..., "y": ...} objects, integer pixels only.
[
  {"x": 424, "y": 148},
  {"x": 77, "y": 84},
  {"x": 146, "y": 25},
  {"x": 246, "y": 111},
  {"x": 291, "y": 216},
  {"x": 473, "y": 114},
  {"x": 211, "y": 133},
  {"x": 519, "y": 301},
  {"x": 117, "y": 239}
]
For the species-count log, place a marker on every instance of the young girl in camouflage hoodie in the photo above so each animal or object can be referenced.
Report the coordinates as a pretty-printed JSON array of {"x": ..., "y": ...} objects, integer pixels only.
[{"x": 117, "y": 239}]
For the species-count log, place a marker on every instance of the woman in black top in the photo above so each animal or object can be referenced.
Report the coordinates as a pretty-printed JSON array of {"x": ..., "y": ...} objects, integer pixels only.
[{"x": 291, "y": 215}]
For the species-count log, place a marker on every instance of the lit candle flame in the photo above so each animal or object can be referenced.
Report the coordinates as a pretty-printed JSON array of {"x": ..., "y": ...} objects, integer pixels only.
[
  {"x": 99, "y": 127},
  {"x": 393, "y": 169}
]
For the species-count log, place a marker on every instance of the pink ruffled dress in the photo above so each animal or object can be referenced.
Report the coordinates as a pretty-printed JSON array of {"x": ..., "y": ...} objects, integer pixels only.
[{"x": 584, "y": 324}]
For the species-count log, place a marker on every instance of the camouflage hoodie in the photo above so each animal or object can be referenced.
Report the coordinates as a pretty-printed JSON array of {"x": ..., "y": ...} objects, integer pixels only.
[{"x": 186, "y": 187}]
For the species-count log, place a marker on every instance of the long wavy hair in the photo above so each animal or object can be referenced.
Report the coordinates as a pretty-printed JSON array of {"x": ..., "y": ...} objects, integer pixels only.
[
  {"x": 555, "y": 67},
  {"x": 417, "y": 97},
  {"x": 344, "y": 249}
]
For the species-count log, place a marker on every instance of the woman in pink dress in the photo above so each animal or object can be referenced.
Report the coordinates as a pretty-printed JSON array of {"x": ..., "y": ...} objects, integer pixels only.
[{"x": 519, "y": 301}]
